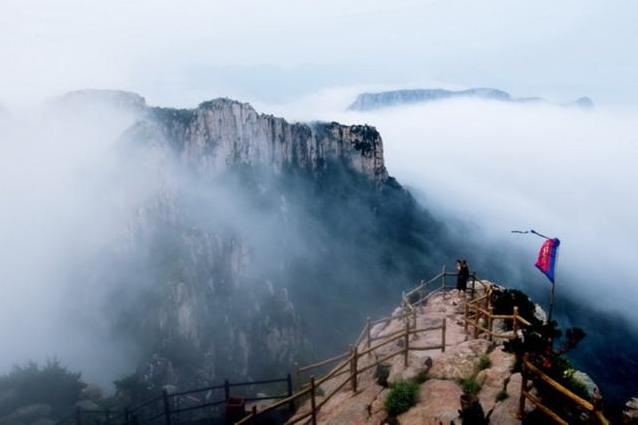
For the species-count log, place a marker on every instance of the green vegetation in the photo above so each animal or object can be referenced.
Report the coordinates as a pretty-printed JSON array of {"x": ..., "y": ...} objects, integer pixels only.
[
  {"x": 470, "y": 385},
  {"x": 421, "y": 377},
  {"x": 414, "y": 297},
  {"x": 51, "y": 384},
  {"x": 501, "y": 395},
  {"x": 133, "y": 389},
  {"x": 484, "y": 362},
  {"x": 504, "y": 302},
  {"x": 401, "y": 397},
  {"x": 381, "y": 374},
  {"x": 545, "y": 348}
]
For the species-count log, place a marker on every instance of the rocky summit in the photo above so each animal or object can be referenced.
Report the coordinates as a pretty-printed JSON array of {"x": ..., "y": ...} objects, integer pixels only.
[
  {"x": 242, "y": 230},
  {"x": 441, "y": 396},
  {"x": 223, "y": 132}
]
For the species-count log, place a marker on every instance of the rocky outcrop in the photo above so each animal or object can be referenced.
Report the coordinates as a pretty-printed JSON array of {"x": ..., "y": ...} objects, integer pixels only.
[
  {"x": 232, "y": 198},
  {"x": 441, "y": 395},
  {"x": 372, "y": 101},
  {"x": 471, "y": 382},
  {"x": 222, "y": 133},
  {"x": 630, "y": 414},
  {"x": 439, "y": 402},
  {"x": 461, "y": 361},
  {"x": 91, "y": 98}
]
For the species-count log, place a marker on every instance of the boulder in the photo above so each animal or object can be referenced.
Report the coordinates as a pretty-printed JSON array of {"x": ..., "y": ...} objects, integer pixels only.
[
  {"x": 506, "y": 412},
  {"x": 590, "y": 385},
  {"x": 439, "y": 402},
  {"x": 354, "y": 408},
  {"x": 493, "y": 379},
  {"x": 400, "y": 373},
  {"x": 630, "y": 414},
  {"x": 460, "y": 361}
]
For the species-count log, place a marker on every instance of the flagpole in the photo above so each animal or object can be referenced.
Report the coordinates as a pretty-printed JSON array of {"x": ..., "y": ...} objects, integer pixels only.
[
  {"x": 551, "y": 302},
  {"x": 552, "y": 295}
]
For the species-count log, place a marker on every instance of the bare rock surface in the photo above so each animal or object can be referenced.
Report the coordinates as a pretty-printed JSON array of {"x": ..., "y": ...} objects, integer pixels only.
[
  {"x": 494, "y": 378},
  {"x": 630, "y": 414},
  {"x": 439, "y": 402},
  {"x": 461, "y": 361},
  {"x": 439, "y": 399}
]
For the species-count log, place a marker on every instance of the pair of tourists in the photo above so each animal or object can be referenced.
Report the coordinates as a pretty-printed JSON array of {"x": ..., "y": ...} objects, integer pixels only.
[{"x": 463, "y": 276}]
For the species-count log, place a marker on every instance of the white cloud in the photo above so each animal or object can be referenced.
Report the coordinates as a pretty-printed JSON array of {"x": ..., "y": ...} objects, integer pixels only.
[
  {"x": 565, "y": 172},
  {"x": 175, "y": 53}
]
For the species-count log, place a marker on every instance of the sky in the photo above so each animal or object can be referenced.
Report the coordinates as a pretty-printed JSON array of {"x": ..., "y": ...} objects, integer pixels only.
[{"x": 181, "y": 53}]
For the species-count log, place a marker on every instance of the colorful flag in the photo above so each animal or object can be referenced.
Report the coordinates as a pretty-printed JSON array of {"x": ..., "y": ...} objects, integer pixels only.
[{"x": 547, "y": 258}]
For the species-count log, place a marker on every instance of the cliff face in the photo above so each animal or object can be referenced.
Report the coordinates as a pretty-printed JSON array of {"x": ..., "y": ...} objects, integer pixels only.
[
  {"x": 253, "y": 226},
  {"x": 370, "y": 101},
  {"x": 223, "y": 133}
]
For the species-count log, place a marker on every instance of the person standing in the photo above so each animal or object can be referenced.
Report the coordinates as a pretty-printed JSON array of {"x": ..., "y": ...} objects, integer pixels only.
[{"x": 463, "y": 275}]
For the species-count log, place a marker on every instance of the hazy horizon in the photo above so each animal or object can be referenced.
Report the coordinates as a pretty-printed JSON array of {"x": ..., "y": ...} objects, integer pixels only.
[{"x": 180, "y": 54}]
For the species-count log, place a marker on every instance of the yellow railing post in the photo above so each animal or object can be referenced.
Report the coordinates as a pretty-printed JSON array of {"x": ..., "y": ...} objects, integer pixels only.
[
  {"x": 407, "y": 344},
  {"x": 253, "y": 413},
  {"x": 515, "y": 324},
  {"x": 443, "y": 330},
  {"x": 487, "y": 299},
  {"x": 467, "y": 313},
  {"x": 443, "y": 277},
  {"x": 313, "y": 403},
  {"x": 598, "y": 408},
  {"x": 521, "y": 400},
  {"x": 477, "y": 318},
  {"x": 353, "y": 367},
  {"x": 298, "y": 373},
  {"x": 490, "y": 323},
  {"x": 368, "y": 332},
  {"x": 473, "y": 285}
]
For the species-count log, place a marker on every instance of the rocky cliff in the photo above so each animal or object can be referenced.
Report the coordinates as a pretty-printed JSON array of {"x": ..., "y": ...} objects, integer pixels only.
[
  {"x": 249, "y": 229},
  {"x": 222, "y": 133},
  {"x": 474, "y": 381}
]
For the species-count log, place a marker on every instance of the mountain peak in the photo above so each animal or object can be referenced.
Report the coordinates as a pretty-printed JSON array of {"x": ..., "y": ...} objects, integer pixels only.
[
  {"x": 222, "y": 132},
  {"x": 224, "y": 102},
  {"x": 97, "y": 97},
  {"x": 372, "y": 101}
]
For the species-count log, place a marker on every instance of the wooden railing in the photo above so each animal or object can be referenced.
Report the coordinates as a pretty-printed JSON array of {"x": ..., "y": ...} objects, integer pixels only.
[
  {"x": 593, "y": 408},
  {"x": 350, "y": 364},
  {"x": 480, "y": 308}
]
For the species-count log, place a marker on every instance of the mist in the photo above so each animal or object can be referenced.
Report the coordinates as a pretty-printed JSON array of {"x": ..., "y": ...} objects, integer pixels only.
[
  {"x": 68, "y": 194},
  {"x": 496, "y": 167}
]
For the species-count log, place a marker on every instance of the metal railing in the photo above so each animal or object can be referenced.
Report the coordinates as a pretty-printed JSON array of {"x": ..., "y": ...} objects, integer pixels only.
[{"x": 179, "y": 407}]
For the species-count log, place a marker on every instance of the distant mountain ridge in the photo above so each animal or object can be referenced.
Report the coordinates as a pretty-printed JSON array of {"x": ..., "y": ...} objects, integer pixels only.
[{"x": 372, "y": 101}]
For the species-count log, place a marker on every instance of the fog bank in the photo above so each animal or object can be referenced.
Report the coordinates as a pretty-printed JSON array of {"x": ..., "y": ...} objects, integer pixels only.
[
  {"x": 565, "y": 172},
  {"x": 67, "y": 193}
]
